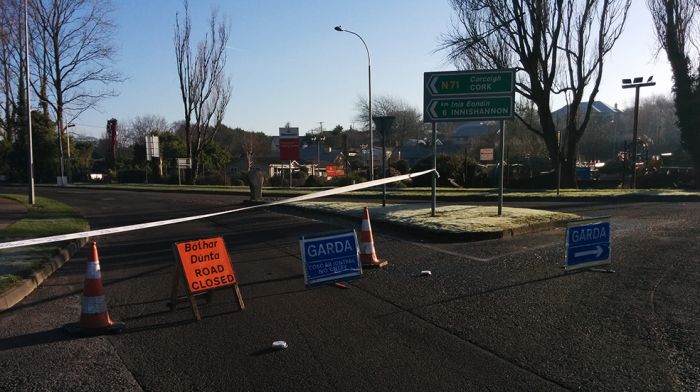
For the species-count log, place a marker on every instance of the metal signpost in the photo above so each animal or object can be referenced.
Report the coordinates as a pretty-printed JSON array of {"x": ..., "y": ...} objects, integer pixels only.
[
  {"x": 330, "y": 258},
  {"x": 469, "y": 96},
  {"x": 152, "y": 151},
  {"x": 587, "y": 243},
  {"x": 383, "y": 125},
  {"x": 182, "y": 163},
  {"x": 289, "y": 147}
]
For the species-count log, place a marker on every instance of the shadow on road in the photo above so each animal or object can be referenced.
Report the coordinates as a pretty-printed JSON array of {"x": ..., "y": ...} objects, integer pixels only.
[{"x": 36, "y": 339}]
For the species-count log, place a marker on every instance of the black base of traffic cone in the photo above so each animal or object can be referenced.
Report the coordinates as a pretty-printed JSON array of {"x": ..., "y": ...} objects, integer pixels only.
[{"x": 381, "y": 263}]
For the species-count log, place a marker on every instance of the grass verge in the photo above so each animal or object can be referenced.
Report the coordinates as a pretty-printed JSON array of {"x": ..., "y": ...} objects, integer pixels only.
[
  {"x": 444, "y": 194},
  {"x": 45, "y": 218},
  {"x": 449, "y": 219}
]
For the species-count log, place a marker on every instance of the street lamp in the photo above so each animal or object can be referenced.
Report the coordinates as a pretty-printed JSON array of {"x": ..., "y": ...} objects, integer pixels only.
[
  {"x": 30, "y": 149},
  {"x": 369, "y": 102},
  {"x": 60, "y": 152},
  {"x": 637, "y": 83}
]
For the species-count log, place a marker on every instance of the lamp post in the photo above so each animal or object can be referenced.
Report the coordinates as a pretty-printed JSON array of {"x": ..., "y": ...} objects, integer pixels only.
[
  {"x": 30, "y": 150},
  {"x": 60, "y": 153},
  {"x": 369, "y": 102},
  {"x": 637, "y": 83},
  {"x": 65, "y": 129}
]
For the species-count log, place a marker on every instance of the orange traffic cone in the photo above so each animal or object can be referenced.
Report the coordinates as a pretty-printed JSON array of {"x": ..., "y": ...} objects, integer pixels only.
[
  {"x": 94, "y": 317},
  {"x": 368, "y": 255}
]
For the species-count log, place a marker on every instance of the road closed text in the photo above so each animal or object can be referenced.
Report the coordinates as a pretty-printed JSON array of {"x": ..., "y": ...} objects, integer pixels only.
[{"x": 206, "y": 264}]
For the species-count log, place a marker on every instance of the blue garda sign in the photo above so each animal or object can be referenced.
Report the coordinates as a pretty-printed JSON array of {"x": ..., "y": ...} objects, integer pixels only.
[
  {"x": 330, "y": 258},
  {"x": 587, "y": 243}
]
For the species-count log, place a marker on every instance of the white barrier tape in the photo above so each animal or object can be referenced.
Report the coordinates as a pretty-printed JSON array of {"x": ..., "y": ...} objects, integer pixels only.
[{"x": 141, "y": 226}]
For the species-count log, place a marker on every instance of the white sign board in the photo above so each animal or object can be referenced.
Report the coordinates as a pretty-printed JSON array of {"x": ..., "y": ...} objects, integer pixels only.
[
  {"x": 289, "y": 132},
  {"x": 486, "y": 154},
  {"x": 152, "y": 147},
  {"x": 184, "y": 163}
]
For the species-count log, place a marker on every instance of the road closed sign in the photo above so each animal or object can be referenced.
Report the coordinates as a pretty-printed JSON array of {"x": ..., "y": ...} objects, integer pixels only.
[{"x": 205, "y": 264}]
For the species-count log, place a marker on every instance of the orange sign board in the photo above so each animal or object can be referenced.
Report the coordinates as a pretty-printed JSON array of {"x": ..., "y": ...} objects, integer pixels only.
[
  {"x": 335, "y": 171},
  {"x": 206, "y": 264}
]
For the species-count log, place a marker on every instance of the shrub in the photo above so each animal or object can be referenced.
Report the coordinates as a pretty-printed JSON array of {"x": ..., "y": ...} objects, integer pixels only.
[
  {"x": 401, "y": 166},
  {"x": 447, "y": 166},
  {"x": 315, "y": 181},
  {"x": 211, "y": 179},
  {"x": 131, "y": 176}
]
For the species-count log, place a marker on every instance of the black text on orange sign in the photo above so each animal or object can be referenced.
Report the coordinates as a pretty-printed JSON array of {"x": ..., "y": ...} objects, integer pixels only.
[{"x": 206, "y": 264}]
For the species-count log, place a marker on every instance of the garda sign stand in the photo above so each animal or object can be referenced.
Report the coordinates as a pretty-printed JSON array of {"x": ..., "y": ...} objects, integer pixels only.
[
  {"x": 330, "y": 258},
  {"x": 587, "y": 243},
  {"x": 205, "y": 265}
]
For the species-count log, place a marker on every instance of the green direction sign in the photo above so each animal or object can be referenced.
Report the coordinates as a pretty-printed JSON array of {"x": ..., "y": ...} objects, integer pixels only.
[
  {"x": 469, "y": 108},
  {"x": 498, "y": 82}
]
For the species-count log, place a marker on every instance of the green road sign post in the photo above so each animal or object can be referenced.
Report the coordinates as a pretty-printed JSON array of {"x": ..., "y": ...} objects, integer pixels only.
[{"x": 469, "y": 96}]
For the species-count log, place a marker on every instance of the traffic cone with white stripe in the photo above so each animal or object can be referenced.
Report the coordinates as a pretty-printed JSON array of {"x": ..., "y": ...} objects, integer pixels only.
[
  {"x": 368, "y": 256},
  {"x": 94, "y": 317}
]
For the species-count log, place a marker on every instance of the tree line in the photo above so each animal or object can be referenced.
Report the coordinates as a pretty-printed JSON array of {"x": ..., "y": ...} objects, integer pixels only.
[{"x": 558, "y": 49}]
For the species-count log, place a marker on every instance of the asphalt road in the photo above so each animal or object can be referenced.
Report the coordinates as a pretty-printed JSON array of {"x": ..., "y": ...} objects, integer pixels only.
[{"x": 494, "y": 315}]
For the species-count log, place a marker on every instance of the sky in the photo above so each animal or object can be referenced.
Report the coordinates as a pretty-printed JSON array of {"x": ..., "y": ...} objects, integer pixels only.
[{"x": 288, "y": 64}]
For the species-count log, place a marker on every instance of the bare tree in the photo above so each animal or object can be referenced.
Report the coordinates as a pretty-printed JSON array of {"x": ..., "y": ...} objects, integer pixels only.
[
  {"x": 204, "y": 88},
  {"x": 407, "y": 122},
  {"x": 7, "y": 75},
  {"x": 556, "y": 47},
  {"x": 74, "y": 54},
  {"x": 142, "y": 126},
  {"x": 251, "y": 145},
  {"x": 13, "y": 66},
  {"x": 677, "y": 28}
]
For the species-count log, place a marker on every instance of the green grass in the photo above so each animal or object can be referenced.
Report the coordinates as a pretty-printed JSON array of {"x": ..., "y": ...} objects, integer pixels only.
[
  {"x": 8, "y": 281},
  {"x": 452, "y": 219},
  {"x": 45, "y": 218}
]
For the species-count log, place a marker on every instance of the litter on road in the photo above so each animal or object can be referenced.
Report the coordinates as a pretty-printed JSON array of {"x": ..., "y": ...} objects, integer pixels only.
[{"x": 279, "y": 345}]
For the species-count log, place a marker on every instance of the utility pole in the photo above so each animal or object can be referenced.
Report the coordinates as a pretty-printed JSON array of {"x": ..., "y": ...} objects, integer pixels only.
[{"x": 636, "y": 84}]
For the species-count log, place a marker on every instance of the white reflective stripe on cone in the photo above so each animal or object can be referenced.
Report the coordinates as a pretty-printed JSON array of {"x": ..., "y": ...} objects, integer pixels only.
[
  {"x": 93, "y": 270},
  {"x": 94, "y": 305},
  {"x": 366, "y": 248},
  {"x": 365, "y": 225}
]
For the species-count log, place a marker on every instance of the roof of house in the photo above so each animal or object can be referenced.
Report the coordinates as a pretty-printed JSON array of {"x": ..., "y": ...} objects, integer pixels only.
[
  {"x": 473, "y": 129},
  {"x": 311, "y": 154},
  {"x": 598, "y": 107}
]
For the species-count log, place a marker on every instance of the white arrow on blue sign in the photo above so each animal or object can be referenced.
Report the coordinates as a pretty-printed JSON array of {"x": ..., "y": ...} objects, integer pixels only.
[{"x": 587, "y": 243}]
